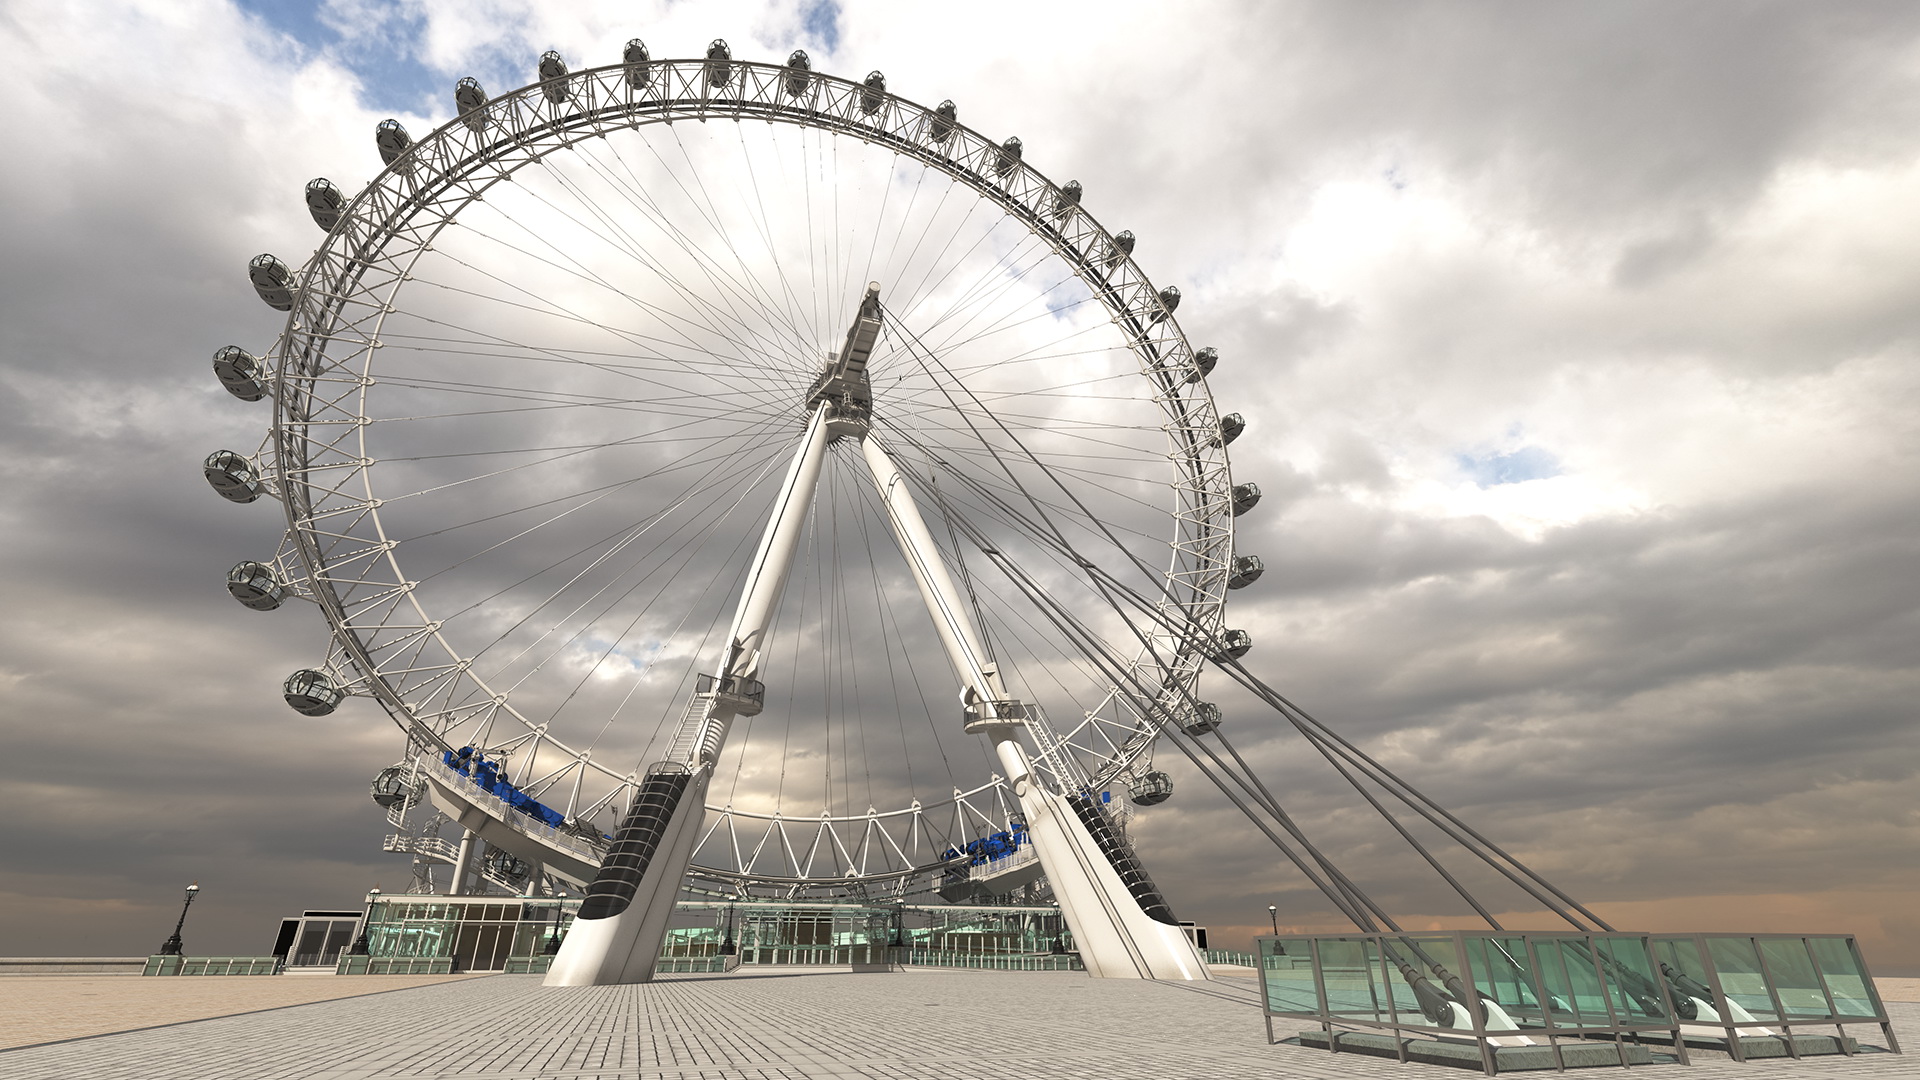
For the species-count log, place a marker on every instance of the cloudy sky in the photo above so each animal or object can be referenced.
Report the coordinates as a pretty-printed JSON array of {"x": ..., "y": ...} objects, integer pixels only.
[{"x": 1577, "y": 344}]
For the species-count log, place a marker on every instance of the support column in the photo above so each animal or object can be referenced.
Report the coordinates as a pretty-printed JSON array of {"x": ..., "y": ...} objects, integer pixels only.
[
  {"x": 462, "y": 864},
  {"x": 1117, "y": 936},
  {"x": 617, "y": 935}
]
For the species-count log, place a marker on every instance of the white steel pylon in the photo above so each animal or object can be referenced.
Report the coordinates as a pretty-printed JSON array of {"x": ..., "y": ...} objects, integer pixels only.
[{"x": 1122, "y": 927}]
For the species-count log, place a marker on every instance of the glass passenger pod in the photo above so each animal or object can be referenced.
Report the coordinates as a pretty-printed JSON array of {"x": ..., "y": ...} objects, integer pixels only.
[
  {"x": 1169, "y": 301},
  {"x": 325, "y": 203},
  {"x": 240, "y": 372},
  {"x": 873, "y": 93},
  {"x": 1231, "y": 425},
  {"x": 941, "y": 127},
  {"x": 1234, "y": 644},
  {"x": 1246, "y": 570},
  {"x": 1010, "y": 152},
  {"x": 799, "y": 73},
  {"x": 255, "y": 586},
  {"x": 311, "y": 693},
  {"x": 504, "y": 865},
  {"x": 1122, "y": 247},
  {"x": 1204, "y": 362},
  {"x": 1204, "y": 719},
  {"x": 719, "y": 63},
  {"x": 554, "y": 84},
  {"x": 1151, "y": 789},
  {"x": 639, "y": 64},
  {"x": 272, "y": 280},
  {"x": 1245, "y": 497},
  {"x": 391, "y": 137},
  {"x": 391, "y": 788},
  {"x": 1067, "y": 199},
  {"x": 470, "y": 101},
  {"x": 233, "y": 476}
]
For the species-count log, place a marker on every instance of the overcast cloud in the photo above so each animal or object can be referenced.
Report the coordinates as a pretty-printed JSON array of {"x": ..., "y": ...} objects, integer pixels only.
[{"x": 1578, "y": 345}]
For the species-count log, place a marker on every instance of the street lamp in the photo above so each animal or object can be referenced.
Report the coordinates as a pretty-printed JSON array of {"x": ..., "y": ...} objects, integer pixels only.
[
  {"x": 727, "y": 947},
  {"x": 1273, "y": 912},
  {"x": 173, "y": 945},
  {"x": 360, "y": 944}
]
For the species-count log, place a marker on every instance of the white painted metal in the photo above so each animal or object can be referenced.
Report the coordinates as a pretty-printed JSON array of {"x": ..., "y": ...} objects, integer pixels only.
[
  {"x": 1115, "y": 937},
  {"x": 625, "y": 947}
]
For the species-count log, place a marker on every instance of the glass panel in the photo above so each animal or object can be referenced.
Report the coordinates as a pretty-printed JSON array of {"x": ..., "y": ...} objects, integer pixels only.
[
  {"x": 1637, "y": 998},
  {"x": 1286, "y": 966},
  {"x": 1793, "y": 977},
  {"x": 1839, "y": 960},
  {"x": 1738, "y": 965},
  {"x": 1585, "y": 991},
  {"x": 1349, "y": 968},
  {"x": 1501, "y": 972},
  {"x": 1418, "y": 994}
]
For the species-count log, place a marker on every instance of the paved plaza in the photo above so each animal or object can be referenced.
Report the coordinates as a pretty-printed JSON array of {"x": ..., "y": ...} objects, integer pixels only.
[{"x": 765, "y": 1024}]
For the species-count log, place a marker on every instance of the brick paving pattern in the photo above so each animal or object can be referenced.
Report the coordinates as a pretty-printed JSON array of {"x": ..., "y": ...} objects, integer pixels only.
[{"x": 781, "y": 1024}]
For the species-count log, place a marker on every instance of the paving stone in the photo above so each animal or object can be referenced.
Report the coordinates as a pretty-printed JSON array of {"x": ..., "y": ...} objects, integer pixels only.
[{"x": 919, "y": 1024}]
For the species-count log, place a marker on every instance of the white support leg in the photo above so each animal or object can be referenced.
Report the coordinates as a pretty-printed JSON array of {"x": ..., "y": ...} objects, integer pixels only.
[
  {"x": 617, "y": 937},
  {"x": 462, "y": 864},
  {"x": 1117, "y": 938}
]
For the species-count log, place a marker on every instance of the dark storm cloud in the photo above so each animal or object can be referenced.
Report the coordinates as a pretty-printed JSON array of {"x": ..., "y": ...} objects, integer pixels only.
[{"x": 1671, "y": 248}]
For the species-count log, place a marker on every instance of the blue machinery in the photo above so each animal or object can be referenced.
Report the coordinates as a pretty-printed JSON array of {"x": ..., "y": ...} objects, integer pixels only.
[{"x": 486, "y": 775}]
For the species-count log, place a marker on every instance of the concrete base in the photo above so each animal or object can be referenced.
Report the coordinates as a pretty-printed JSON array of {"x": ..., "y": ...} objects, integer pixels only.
[
  {"x": 1775, "y": 1046},
  {"x": 1467, "y": 1056}
]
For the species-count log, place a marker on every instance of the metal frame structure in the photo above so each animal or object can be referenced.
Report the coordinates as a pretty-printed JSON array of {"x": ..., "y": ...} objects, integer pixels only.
[
  {"x": 339, "y": 555},
  {"x": 1614, "y": 988}
]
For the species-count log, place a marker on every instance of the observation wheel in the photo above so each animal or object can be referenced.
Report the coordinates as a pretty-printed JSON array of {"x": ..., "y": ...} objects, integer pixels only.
[{"x": 537, "y": 401}]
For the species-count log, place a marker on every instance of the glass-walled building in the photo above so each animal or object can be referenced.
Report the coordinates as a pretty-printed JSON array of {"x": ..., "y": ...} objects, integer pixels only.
[{"x": 442, "y": 933}]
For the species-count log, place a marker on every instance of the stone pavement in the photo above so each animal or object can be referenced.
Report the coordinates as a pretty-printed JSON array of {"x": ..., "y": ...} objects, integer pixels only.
[
  {"x": 783, "y": 1024},
  {"x": 46, "y": 1008}
]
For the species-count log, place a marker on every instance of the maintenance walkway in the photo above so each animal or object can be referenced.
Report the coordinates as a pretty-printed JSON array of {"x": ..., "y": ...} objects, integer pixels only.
[{"x": 763, "y": 1024}]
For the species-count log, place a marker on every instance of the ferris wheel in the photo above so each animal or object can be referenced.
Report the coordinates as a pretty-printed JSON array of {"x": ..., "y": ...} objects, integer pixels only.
[{"x": 664, "y": 442}]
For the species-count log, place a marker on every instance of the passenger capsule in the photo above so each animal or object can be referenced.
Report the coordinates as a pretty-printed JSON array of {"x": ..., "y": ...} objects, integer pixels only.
[
  {"x": 1231, "y": 425},
  {"x": 505, "y": 865},
  {"x": 1169, "y": 300},
  {"x": 873, "y": 92},
  {"x": 554, "y": 83},
  {"x": 1246, "y": 570},
  {"x": 639, "y": 64},
  {"x": 1234, "y": 644},
  {"x": 799, "y": 73},
  {"x": 1245, "y": 497},
  {"x": 1122, "y": 247},
  {"x": 1204, "y": 719},
  {"x": 255, "y": 586},
  {"x": 1068, "y": 198},
  {"x": 392, "y": 139},
  {"x": 1203, "y": 364},
  {"x": 390, "y": 787},
  {"x": 941, "y": 126},
  {"x": 1154, "y": 787},
  {"x": 325, "y": 203},
  {"x": 311, "y": 693},
  {"x": 233, "y": 476},
  {"x": 719, "y": 66},
  {"x": 240, "y": 372},
  {"x": 470, "y": 101},
  {"x": 273, "y": 281},
  {"x": 1009, "y": 157}
]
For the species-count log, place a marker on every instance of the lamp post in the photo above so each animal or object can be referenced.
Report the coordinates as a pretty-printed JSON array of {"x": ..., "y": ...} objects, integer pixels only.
[
  {"x": 727, "y": 947},
  {"x": 1273, "y": 913},
  {"x": 173, "y": 944},
  {"x": 360, "y": 944}
]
